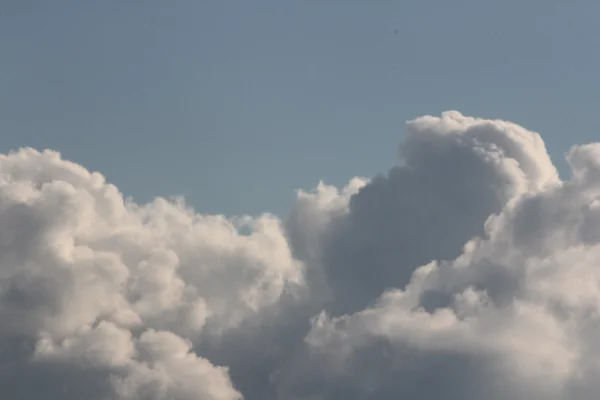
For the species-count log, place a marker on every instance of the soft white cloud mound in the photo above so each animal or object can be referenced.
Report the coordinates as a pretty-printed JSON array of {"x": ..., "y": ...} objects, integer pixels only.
[
  {"x": 469, "y": 271},
  {"x": 90, "y": 281}
]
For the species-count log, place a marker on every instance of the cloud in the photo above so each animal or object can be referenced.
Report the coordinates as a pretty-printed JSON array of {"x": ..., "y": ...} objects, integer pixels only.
[
  {"x": 467, "y": 271},
  {"x": 113, "y": 294},
  {"x": 455, "y": 172}
]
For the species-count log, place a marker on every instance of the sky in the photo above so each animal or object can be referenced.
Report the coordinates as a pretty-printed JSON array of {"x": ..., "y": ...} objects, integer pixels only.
[{"x": 237, "y": 104}]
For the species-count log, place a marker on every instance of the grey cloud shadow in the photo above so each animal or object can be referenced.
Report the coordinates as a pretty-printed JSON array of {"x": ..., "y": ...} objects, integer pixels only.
[{"x": 411, "y": 216}]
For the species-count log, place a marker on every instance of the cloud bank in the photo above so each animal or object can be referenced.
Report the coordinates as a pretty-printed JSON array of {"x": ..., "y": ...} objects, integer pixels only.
[{"x": 468, "y": 271}]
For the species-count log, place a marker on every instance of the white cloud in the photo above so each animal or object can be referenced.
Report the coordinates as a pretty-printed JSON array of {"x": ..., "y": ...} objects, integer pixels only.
[
  {"x": 468, "y": 271},
  {"x": 87, "y": 277},
  {"x": 520, "y": 303}
]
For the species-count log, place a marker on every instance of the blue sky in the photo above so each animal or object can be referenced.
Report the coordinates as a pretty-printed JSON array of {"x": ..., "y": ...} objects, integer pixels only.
[{"x": 235, "y": 104}]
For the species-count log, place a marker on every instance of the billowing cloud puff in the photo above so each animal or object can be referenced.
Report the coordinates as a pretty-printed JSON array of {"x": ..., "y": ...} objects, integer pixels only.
[
  {"x": 468, "y": 271},
  {"x": 114, "y": 294}
]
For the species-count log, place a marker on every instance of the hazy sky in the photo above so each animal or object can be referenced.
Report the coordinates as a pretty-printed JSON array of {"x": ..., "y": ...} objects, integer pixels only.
[{"x": 236, "y": 104}]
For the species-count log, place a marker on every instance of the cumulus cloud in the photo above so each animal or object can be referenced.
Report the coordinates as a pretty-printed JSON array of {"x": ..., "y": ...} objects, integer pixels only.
[
  {"x": 467, "y": 271},
  {"x": 114, "y": 294}
]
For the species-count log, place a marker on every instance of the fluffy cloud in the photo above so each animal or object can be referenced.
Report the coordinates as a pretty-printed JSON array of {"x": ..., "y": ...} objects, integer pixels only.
[
  {"x": 468, "y": 271},
  {"x": 114, "y": 294}
]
